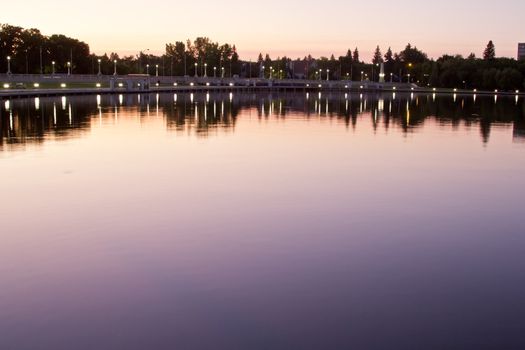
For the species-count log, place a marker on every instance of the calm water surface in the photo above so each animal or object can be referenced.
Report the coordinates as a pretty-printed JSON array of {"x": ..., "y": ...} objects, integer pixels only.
[{"x": 259, "y": 221}]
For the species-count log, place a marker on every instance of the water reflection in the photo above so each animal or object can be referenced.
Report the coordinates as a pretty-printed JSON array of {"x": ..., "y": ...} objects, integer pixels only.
[{"x": 35, "y": 120}]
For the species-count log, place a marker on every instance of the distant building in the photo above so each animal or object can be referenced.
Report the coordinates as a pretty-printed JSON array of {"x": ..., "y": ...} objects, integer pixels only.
[{"x": 521, "y": 51}]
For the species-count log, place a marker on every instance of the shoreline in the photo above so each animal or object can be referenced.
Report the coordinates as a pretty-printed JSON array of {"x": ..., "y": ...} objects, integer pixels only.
[{"x": 93, "y": 85}]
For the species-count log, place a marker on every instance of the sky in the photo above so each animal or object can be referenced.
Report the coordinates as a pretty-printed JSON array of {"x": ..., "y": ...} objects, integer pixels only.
[{"x": 280, "y": 27}]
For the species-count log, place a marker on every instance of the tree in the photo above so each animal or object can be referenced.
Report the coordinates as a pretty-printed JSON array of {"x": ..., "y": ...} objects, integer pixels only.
[
  {"x": 412, "y": 55},
  {"x": 378, "y": 57},
  {"x": 490, "y": 51},
  {"x": 389, "y": 56},
  {"x": 355, "y": 58}
]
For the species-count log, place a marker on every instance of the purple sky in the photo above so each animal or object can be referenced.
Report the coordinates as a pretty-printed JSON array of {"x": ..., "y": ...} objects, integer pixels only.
[{"x": 293, "y": 28}]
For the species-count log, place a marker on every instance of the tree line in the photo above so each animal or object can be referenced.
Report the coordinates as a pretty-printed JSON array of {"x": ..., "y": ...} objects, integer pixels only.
[{"x": 34, "y": 53}]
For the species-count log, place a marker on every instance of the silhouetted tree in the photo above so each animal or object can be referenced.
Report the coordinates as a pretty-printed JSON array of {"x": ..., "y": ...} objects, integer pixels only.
[{"x": 490, "y": 51}]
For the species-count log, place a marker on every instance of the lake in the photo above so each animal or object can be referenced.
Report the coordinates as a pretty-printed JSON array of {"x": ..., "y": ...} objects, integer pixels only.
[{"x": 262, "y": 221}]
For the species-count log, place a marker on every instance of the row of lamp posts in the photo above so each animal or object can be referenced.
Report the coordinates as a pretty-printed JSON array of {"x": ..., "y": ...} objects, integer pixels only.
[{"x": 205, "y": 74}]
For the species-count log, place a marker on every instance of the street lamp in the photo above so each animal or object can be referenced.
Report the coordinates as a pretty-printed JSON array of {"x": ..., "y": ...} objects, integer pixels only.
[
  {"x": 222, "y": 72},
  {"x": 115, "y": 67},
  {"x": 99, "y": 70},
  {"x": 280, "y": 74},
  {"x": 205, "y": 70},
  {"x": 271, "y": 72},
  {"x": 327, "y": 74},
  {"x": 391, "y": 77},
  {"x": 362, "y": 75},
  {"x": 215, "y": 72},
  {"x": 320, "y": 73},
  {"x": 68, "y": 68},
  {"x": 156, "y": 70},
  {"x": 408, "y": 77},
  {"x": 8, "y": 64},
  {"x": 196, "y": 73},
  {"x": 53, "y": 67}
]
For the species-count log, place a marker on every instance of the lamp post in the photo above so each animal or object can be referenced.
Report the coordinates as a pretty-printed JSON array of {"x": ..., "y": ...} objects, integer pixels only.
[
  {"x": 222, "y": 72},
  {"x": 408, "y": 77},
  {"x": 147, "y": 69},
  {"x": 196, "y": 72},
  {"x": 362, "y": 75},
  {"x": 327, "y": 74},
  {"x": 115, "y": 67},
  {"x": 280, "y": 74},
  {"x": 215, "y": 72},
  {"x": 205, "y": 70},
  {"x": 68, "y": 68},
  {"x": 8, "y": 64},
  {"x": 320, "y": 75},
  {"x": 53, "y": 67},
  {"x": 99, "y": 68},
  {"x": 156, "y": 70},
  {"x": 263, "y": 70},
  {"x": 391, "y": 77},
  {"x": 271, "y": 72}
]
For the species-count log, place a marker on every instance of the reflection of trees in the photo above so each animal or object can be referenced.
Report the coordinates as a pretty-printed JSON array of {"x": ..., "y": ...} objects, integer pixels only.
[
  {"x": 201, "y": 112},
  {"x": 33, "y": 120},
  {"x": 26, "y": 121}
]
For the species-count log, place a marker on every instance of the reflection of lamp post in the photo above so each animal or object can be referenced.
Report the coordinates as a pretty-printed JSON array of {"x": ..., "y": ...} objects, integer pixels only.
[
  {"x": 156, "y": 70},
  {"x": 53, "y": 67},
  {"x": 8, "y": 64},
  {"x": 115, "y": 67},
  {"x": 196, "y": 73},
  {"x": 68, "y": 68},
  {"x": 99, "y": 70}
]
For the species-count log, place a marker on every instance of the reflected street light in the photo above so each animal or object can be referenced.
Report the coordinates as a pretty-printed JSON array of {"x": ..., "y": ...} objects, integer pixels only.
[
  {"x": 99, "y": 69},
  {"x": 8, "y": 64}
]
